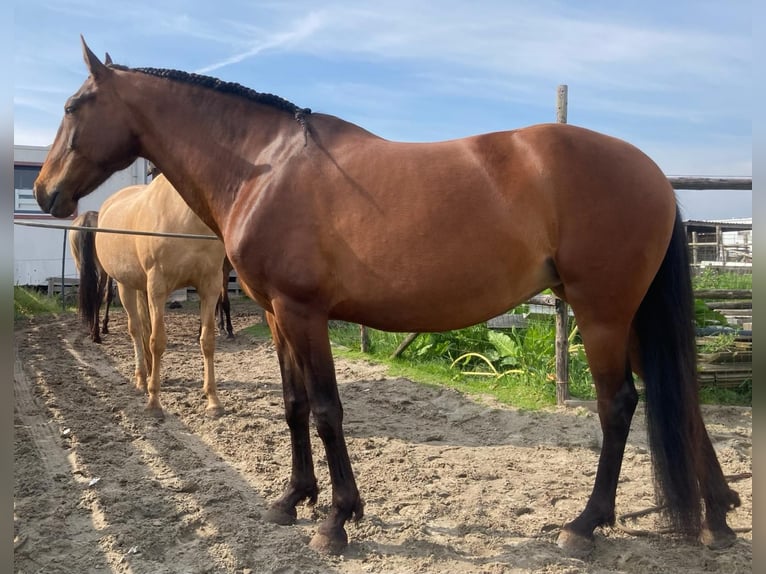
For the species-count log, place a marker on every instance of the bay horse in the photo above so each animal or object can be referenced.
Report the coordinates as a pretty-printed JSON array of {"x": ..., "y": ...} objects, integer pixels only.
[
  {"x": 96, "y": 287},
  {"x": 148, "y": 268},
  {"x": 420, "y": 237}
]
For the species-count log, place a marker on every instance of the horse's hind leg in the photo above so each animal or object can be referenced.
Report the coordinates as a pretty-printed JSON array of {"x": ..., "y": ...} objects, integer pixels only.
[
  {"x": 719, "y": 498},
  {"x": 607, "y": 350},
  {"x": 97, "y": 308},
  {"x": 109, "y": 297},
  {"x": 223, "y": 313},
  {"x": 303, "y": 482},
  {"x": 226, "y": 306}
]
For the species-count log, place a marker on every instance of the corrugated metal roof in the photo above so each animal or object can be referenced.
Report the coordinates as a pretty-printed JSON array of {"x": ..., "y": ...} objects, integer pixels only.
[{"x": 734, "y": 223}]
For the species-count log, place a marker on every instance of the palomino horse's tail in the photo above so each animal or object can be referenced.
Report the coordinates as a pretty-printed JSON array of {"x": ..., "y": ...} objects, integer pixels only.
[
  {"x": 90, "y": 291},
  {"x": 664, "y": 325}
]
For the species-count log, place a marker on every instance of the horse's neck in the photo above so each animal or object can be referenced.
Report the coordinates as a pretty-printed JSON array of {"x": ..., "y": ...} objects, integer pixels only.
[{"x": 203, "y": 144}]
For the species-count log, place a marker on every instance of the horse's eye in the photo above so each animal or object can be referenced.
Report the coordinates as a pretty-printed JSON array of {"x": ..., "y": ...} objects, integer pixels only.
[{"x": 70, "y": 108}]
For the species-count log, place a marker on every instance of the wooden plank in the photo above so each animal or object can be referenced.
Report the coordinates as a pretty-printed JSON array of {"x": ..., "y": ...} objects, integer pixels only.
[
  {"x": 507, "y": 321},
  {"x": 732, "y": 304},
  {"x": 680, "y": 182},
  {"x": 725, "y": 368},
  {"x": 54, "y": 284},
  {"x": 724, "y": 294},
  {"x": 726, "y": 357}
]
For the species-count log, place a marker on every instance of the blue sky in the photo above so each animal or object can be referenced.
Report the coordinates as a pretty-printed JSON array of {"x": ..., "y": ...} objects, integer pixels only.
[{"x": 673, "y": 78}]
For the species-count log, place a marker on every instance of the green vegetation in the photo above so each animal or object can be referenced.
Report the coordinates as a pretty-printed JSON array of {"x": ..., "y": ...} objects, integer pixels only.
[
  {"x": 516, "y": 366},
  {"x": 741, "y": 395},
  {"x": 29, "y": 302},
  {"x": 712, "y": 278}
]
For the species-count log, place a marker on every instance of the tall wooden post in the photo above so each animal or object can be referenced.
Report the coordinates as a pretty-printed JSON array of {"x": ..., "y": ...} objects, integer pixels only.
[
  {"x": 562, "y": 309},
  {"x": 364, "y": 336}
]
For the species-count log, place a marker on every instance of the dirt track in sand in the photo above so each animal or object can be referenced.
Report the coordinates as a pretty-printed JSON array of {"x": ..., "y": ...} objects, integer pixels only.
[{"x": 451, "y": 483}]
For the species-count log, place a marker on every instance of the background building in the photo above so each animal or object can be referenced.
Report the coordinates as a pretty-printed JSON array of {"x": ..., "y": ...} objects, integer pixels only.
[{"x": 38, "y": 252}]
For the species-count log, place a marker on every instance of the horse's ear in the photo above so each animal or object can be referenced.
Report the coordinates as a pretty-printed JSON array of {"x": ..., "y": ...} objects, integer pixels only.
[
  {"x": 95, "y": 67},
  {"x": 107, "y": 59}
]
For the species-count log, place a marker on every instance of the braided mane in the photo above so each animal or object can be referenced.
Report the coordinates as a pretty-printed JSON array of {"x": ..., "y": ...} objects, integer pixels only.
[{"x": 223, "y": 87}]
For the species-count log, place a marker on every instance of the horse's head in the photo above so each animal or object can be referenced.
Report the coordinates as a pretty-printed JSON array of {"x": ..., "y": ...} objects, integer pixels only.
[{"x": 93, "y": 141}]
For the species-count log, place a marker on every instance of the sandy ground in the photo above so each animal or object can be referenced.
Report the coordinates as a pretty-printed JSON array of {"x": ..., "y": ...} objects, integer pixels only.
[{"x": 451, "y": 483}]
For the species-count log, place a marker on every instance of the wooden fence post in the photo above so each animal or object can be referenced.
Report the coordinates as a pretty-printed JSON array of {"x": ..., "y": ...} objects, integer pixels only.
[
  {"x": 364, "y": 335},
  {"x": 562, "y": 309}
]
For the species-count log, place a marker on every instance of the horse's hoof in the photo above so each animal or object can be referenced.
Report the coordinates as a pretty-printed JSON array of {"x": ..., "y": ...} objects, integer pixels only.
[
  {"x": 278, "y": 515},
  {"x": 334, "y": 542},
  {"x": 155, "y": 411},
  {"x": 214, "y": 412},
  {"x": 718, "y": 539},
  {"x": 575, "y": 545}
]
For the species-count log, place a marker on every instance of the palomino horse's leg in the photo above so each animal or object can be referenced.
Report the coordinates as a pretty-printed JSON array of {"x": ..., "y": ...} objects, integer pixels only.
[
  {"x": 109, "y": 297},
  {"x": 303, "y": 482},
  {"x": 226, "y": 309},
  {"x": 223, "y": 311},
  {"x": 129, "y": 299},
  {"x": 617, "y": 399},
  {"x": 306, "y": 335},
  {"x": 157, "y": 344},
  {"x": 102, "y": 284},
  {"x": 208, "y": 300}
]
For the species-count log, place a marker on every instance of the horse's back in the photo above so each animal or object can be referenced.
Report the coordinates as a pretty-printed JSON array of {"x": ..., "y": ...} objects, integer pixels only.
[{"x": 500, "y": 216}]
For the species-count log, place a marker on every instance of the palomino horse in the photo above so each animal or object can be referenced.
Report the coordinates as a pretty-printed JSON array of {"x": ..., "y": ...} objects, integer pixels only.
[
  {"x": 95, "y": 285},
  {"x": 420, "y": 237},
  {"x": 149, "y": 268},
  {"x": 223, "y": 306}
]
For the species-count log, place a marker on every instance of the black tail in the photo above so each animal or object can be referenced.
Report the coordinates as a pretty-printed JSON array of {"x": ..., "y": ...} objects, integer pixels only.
[
  {"x": 90, "y": 291},
  {"x": 665, "y": 328}
]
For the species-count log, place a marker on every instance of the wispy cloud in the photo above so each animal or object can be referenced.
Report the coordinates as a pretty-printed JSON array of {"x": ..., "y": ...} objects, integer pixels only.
[
  {"x": 519, "y": 39},
  {"x": 672, "y": 77},
  {"x": 294, "y": 35}
]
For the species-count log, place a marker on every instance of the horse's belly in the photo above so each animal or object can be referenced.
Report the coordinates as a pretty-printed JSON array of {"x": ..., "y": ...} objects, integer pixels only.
[{"x": 446, "y": 300}]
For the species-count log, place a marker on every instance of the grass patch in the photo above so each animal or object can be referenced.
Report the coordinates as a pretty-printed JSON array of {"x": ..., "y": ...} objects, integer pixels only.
[
  {"x": 30, "y": 302},
  {"x": 737, "y": 396},
  {"x": 712, "y": 278},
  {"x": 515, "y": 366}
]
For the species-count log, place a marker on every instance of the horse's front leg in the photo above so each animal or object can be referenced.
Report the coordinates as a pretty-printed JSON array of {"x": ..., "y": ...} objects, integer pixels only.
[
  {"x": 309, "y": 342},
  {"x": 208, "y": 299},
  {"x": 129, "y": 300},
  {"x": 303, "y": 484}
]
